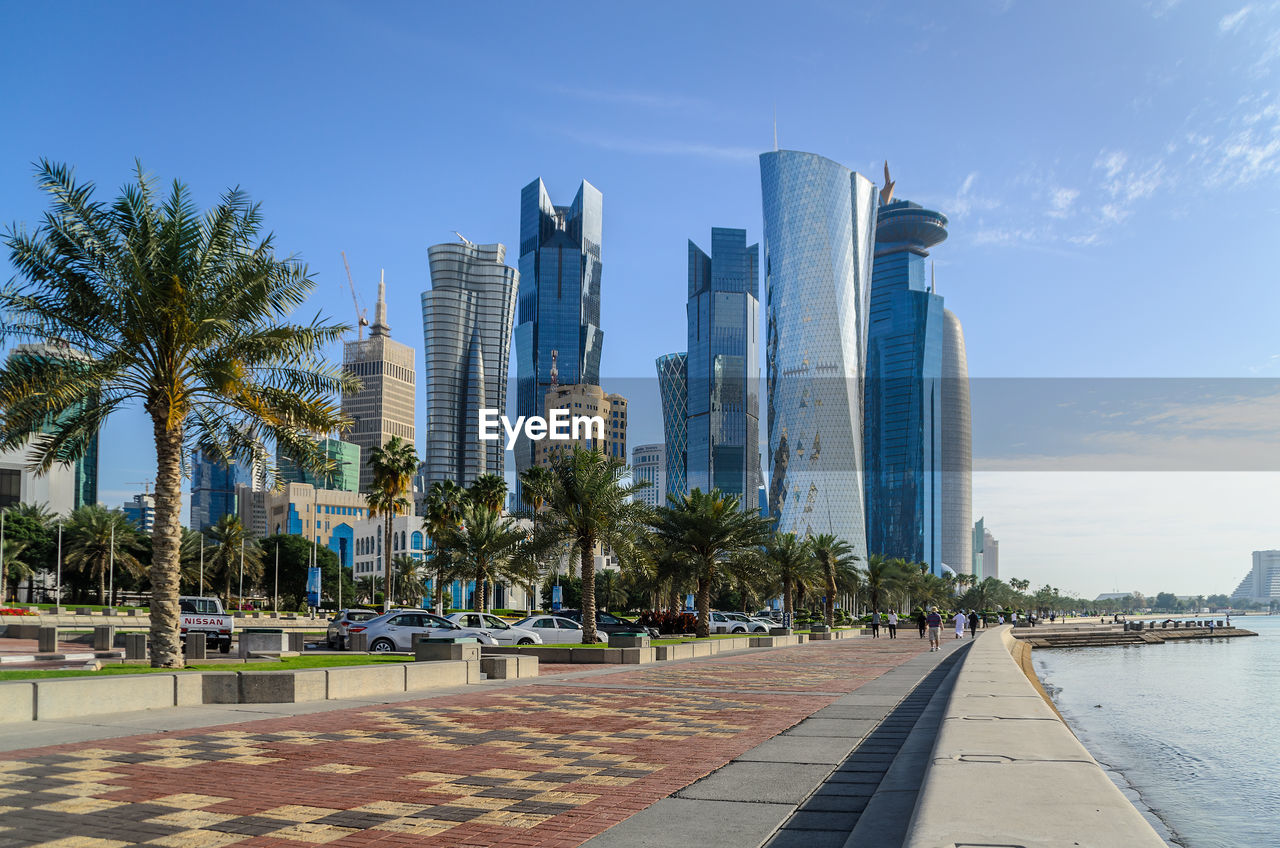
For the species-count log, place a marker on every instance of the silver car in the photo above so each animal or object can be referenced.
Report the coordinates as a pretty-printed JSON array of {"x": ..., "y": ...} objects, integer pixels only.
[
  {"x": 395, "y": 630},
  {"x": 504, "y": 633},
  {"x": 337, "y": 633},
  {"x": 555, "y": 629}
]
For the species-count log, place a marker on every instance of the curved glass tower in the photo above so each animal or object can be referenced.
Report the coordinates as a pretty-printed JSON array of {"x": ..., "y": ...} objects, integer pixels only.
[
  {"x": 957, "y": 450},
  {"x": 819, "y": 239},
  {"x": 673, "y": 386}
]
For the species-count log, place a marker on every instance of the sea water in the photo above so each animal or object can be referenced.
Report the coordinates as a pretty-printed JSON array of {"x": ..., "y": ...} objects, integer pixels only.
[{"x": 1190, "y": 730}]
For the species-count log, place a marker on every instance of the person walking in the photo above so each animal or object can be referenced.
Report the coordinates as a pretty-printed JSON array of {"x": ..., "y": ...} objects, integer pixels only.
[
  {"x": 960, "y": 622},
  {"x": 973, "y": 623},
  {"x": 875, "y": 624},
  {"x": 934, "y": 622},
  {"x": 920, "y": 622},
  {"x": 893, "y": 625}
]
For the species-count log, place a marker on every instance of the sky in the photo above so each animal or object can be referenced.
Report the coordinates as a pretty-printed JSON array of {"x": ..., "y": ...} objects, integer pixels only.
[{"x": 1109, "y": 169}]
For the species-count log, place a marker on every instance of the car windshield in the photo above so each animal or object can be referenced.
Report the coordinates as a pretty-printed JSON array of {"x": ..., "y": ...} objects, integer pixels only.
[
  {"x": 495, "y": 623},
  {"x": 360, "y": 615}
]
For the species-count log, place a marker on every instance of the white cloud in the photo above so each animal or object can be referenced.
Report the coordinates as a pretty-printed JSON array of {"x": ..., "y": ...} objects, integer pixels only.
[
  {"x": 1231, "y": 22},
  {"x": 1060, "y": 201},
  {"x": 1111, "y": 161}
]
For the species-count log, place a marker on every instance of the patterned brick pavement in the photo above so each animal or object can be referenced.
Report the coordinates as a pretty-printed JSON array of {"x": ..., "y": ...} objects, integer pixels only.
[{"x": 543, "y": 764}]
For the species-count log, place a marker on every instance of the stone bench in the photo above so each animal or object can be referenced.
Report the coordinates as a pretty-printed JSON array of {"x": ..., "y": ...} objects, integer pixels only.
[{"x": 508, "y": 667}]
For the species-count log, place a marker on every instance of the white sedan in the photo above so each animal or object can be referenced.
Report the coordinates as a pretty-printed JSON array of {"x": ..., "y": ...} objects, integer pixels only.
[
  {"x": 554, "y": 630},
  {"x": 503, "y": 633},
  {"x": 394, "y": 630}
]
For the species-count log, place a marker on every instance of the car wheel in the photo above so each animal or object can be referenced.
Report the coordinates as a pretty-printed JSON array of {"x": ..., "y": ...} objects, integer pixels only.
[
  {"x": 739, "y": 630},
  {"x": 525, "y": 641},
  {"x": 225, "y": 647},
  {"x": 382, "y": 646}
]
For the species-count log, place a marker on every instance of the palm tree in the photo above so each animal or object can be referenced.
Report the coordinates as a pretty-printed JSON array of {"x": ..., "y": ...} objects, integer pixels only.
[
  {"x": 393, "y": 467},
  {"x": 587, "y": 503},
  {"x": 792, "y": 565},
  {"x": 490, "y": 490},
  {"x": 880, "y": 578},
  {"x": 835, "y": 559},
  {"x": 225, "y": 560},
  {"x": 610, "y": 591},
  {"x": 186, "y": 315},
  {"x": 15, "y": 568},
  {"x": 483, "y": 546},
  {"x": 444, "y": 504},
  {"x": 410, "y": 579},
  {"x": 706, "y": 531},
  {"x": 96, "y": 537}
]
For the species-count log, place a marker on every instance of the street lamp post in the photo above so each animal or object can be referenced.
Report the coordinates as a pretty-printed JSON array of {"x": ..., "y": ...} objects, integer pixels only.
[
  {"x": 242, "y": 573},
  {"x": 57, "y": 600},
  {"x": 276, "y": 603},
  {"x": 111, "y": 578},
  {"x": 3, "y": 570},
  {"x": 202, "y": 563}
]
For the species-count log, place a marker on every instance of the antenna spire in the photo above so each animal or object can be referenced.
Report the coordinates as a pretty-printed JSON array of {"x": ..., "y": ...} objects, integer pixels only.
[
  {"x": 379, "y": 327},
  {"x": 886, "y": 193}
]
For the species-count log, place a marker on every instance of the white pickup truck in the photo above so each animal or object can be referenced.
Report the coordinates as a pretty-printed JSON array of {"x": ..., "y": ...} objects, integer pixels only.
[{"x": 205, "y": 617}]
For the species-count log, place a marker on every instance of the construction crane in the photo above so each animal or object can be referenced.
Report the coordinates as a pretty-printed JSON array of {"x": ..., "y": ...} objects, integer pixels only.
[
  {"x": 146, "y": 485},
  {"x": 361, "y": 320}
]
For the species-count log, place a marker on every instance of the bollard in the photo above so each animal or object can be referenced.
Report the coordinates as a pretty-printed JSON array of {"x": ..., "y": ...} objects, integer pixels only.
[
  {"x": 104, "y": 637},
  {"x": 47, "y": 639},
  {"x": 135, "y": 646},
  {"x": 196, "y": 646},
  {"x": 358, "y": 642},
  {"x": 1126, "y": 627},
  {"x": 298, "y": 642},
  {"x": 1220, "y": 624}
]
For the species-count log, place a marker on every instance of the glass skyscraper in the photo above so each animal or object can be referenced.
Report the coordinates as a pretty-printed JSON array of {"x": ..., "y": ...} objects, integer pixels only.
[
  {"x": 903, "y": 403},
  {"x": 559, "y": 301},
  {"x": 673, "y": 387},
  {"x": 213, "y": 489},
  {"x": 957, "y": 450},
  {"x": 345, "y": 476},
  {"x": 724, "y": 347},
  {"x": 466, "y": 326},
  {"x": 819, "y": 238}
]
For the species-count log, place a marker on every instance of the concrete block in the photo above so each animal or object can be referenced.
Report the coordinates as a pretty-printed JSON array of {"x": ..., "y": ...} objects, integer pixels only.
[
  {"x": 47, "y": 639},
  {"x": 83, "y": 611},
  {"x": 81, "y": 696},
  {"x": 637, "y": 656},
  {"x": 628, "y": 640},
  {"x": 104, "y": 637},
  {"x": 663, "y": 653},
  {"x": 779, "y": 631},
  {"x": 765, "y": 641},
  {"x": 282, "y": 687},
  {"x": 23, "y": 631},
  {"x": 135, "y": 646},
  {"x": 298, "y": 642},
  {"x": 500, "y": 667},
  {"x": 188, "y": 689},
  {"x": 599, "y": 655},
  {"x": 358, "y": 642},
  {"x": 435, "y": 675},
  {"x": 428, "y": 651},
  {"x": 252, "y": 642},
  {"x": 362, "y": 681},
  {"x": 474, "y": 675},
  {"x": 821, "y": 637},
  {"x": 219, "y": 687},
  {"x": 819, "y": 628},
  {"x": 17, "y": 701},
  {"x": 134, "y": 613},
  {"x": 196, "y": 646}
]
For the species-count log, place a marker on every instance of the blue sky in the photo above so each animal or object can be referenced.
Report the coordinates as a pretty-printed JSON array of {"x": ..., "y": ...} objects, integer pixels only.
[{"x": 1109, "y": 168}]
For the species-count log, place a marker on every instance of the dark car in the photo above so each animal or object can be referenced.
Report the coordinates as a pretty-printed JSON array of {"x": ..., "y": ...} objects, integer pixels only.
[{"x": 607, "y": 622}]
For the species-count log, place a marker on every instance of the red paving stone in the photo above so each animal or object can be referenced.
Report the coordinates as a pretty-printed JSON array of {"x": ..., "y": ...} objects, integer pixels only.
[{"x": 543, "y": 764}]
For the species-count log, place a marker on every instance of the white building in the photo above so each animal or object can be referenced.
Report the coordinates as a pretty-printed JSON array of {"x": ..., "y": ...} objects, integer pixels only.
[
  {"x": 1262, "y": 584},
  {"x": 648, "y": 466},
  {"x": 56, "y": 489}
]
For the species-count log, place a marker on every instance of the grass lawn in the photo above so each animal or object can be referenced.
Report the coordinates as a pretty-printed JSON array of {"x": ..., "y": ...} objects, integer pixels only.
[{"x": 286, "y": 664}]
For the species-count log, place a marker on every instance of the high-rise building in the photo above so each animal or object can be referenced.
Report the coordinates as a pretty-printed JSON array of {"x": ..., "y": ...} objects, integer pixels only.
[
  {"x": 559, "y": 300},
  {"x": 647, "y": 463},
  {"x": 327, "y": 516},
  {"x": 585, "y": 401},
  {"x": 213, "y": 488},
  {"x": 957, "y": 450},
  {"x": 345, "y": 475},
  {"x": 384, "y": 405},
  {"x": 673, "y": 387},
  {"x": 986, "y": 552},
  {"x": 902, "y": 436},
  {"x": 1262, "y": 584},
  {"x": 723, "y": 429},
  {"x": 466, "y": 325},
  {"x": 819, "y": 240},
  {"x": 141, "y": 510},
  {"x": 975, "y": 547}
]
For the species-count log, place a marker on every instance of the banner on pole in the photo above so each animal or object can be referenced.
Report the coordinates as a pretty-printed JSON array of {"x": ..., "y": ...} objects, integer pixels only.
[
  {"x": 313, "y": 586},
  {"x": 557, "y": 598}
]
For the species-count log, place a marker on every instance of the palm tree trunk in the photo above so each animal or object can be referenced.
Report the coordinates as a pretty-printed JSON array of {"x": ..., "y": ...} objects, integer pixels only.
[
  {"x": 166, "y": 648},
  {"x": 588, "y": 560},
  {"x": 831, "y": 597},
  {"x": 674, "y": 597},
  {"x": 703, "y": 629},
  {"x": 786, "y": 596},
  {"x": 102, "y": 586}
]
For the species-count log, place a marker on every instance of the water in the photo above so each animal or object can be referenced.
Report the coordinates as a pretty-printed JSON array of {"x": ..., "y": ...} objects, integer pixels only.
[{"x": 1188, "y": 729}]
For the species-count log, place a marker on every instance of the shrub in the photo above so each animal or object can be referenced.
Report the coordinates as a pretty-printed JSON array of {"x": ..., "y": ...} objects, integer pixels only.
[{"x": 668, "y": 621}]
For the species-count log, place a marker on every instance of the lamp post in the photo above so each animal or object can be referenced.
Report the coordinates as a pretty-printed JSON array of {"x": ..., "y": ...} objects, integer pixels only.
[
  {"x": 111, "y": 578},
  {"x": 57, "y": 600},
  {"x": 276, "y": 603},
  {"x": 3, "y": 569},
  {"x": 242, "y": 574},
  {"x": 202, "y": 563}
]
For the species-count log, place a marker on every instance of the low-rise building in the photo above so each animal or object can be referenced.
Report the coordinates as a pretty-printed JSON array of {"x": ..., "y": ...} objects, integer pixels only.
[{"x": 328, "y": 516}]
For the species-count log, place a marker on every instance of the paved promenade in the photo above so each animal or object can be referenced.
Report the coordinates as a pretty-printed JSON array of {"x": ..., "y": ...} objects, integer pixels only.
[{"x": 554, "y": 761}]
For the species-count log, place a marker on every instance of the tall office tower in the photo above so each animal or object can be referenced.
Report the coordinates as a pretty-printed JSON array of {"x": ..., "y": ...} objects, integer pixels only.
[
  {"x": 384, "y": 405},
  {"x": 466, "y": 327},
  {"x": 673, "y": 387},
  {"x": 344, "y": 477},
  {"x": 141, "y": 510},
  {"x": 559, "y": 301},
  {"x": 609, "y": 436},
  {"x": 647, "y": 467},
  {"x": 990, "y": 555},
  {"x": 819, "y": 240},
  {"x": 975, "y": 547},
  {"x": 723, "y": 375},
  {"x": 957, "y": 450},
  {"x": 1262, "y": 584},
  {"x": 213, "y": 489},
  {"x": 902, "y": 437},
  {"x": 84, "y": 470}
]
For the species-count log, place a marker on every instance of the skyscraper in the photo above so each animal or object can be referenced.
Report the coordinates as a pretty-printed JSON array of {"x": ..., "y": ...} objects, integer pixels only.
[
  {"x": 986, "y": 552},
  {"x": 673, "y": 387},
  {"x": 723, "y": 376},
  {"x": 957, "y": 450},
  {"x": 647, "y": 463},
  {"x": 587, "y": 401},
  {"x": 819, "y": 237},
  {"x": 902, "y": 441},
  {"x": 559, "y": 301},
  {"x": 384, "y": 405},
  {"x": 345, "y": 477},
  {"x": 466, "y": 326},
  {"x": 213, "y": 489}
]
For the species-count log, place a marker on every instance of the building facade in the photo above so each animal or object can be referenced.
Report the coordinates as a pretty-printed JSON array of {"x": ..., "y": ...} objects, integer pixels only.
[
  {"x": 723, "y": 429},
  {"x": 673, "y": 388},
  {"x": 986, "y": 552},
  {"x": 327, "y": 516},
  {"x": 345, "y": 475},
  {"x": 213, "y": 489},
  {"x": 957, "y": 450},
  {"x": 384, "y": 405},
  {"x": 1262, "y": 584},
  {"x": 559, "y": 300},
  {"x": 56, "y": 489},
  {"x": 467, "y": 318},
  {"x": 141, "y": 510},
  {"x": 902, "y": 405},
  {"x": 819, "y": 239},
  {"x": 585, "y": 401},
  {"x": 647, "y": 463}
]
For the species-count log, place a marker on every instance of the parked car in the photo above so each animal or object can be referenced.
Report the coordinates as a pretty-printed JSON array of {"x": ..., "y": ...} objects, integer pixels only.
[
  {"x": 337, "y": 633},
  {"x": 204, "y": 618},
  {"x": 607, "y": 622},
  {"x": 554, "y": 629},
  {"x": 503, "y": 633},
  {"x": 727, "y": 622},
  {"x": 394, "y": 630},
  {"x": 752, "y": 625}
]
